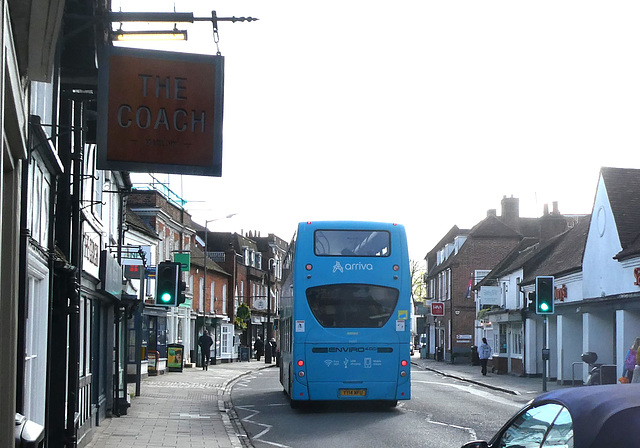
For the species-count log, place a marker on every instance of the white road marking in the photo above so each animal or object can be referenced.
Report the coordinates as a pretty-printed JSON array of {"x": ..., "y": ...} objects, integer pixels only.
[
  {"x": 249, "y": 419},
  {"x": 471, "y": 431},
  {"x": 474, "y": 391}
]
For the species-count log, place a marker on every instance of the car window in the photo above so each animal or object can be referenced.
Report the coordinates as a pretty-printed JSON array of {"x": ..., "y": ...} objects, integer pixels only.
[
  {"x": 547, "y": 426},
  {"x": 561, "y": 433}
]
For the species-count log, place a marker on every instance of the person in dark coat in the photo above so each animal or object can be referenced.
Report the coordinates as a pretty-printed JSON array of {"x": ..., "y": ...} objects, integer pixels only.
[
  {"x": 274, "y": 347},
  {"x": 205, "y": 342},
  {"x": 259, "y": 346}
]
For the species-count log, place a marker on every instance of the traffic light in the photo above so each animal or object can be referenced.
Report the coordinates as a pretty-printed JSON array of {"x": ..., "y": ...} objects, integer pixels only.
[
  {"x": 531, "y": 301},
  {"x": 181, "y": 288},
  {"x": 167, "y": 283},
  {"x": 544, "y": 295}
]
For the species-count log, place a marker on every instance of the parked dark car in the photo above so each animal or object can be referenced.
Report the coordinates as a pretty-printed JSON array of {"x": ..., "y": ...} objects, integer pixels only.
[{"x": 579, "y": 417}]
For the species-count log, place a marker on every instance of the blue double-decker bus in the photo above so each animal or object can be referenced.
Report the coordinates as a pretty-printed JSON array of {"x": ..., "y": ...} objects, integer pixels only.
[{"x": 345, "y": 313}]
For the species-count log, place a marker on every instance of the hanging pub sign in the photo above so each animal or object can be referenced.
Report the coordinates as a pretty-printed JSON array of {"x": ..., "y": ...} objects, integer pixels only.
[{"x": 160, "y": 111}]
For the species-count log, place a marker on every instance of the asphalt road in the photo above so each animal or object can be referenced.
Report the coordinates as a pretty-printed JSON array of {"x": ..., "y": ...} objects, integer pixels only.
[{"x": 443, "y": 413}]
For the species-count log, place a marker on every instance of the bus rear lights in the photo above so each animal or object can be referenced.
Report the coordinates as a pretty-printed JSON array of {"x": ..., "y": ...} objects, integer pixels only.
[
  {"x": 403, "y": 373},
  {"x": 404, "y": 363},
  {"x": 300, "y": 363},
  {"x": 396, "y": 267},
  {"x": 301, "y": 373},
  {"x": 309, "y": 266}
]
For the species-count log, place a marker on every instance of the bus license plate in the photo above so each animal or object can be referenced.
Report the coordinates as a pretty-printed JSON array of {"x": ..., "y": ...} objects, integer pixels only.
[{"x": 353, "y": 392}]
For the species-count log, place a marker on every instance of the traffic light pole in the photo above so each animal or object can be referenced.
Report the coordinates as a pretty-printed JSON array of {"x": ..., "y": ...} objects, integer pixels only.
[{"x": 545, "y": 354}]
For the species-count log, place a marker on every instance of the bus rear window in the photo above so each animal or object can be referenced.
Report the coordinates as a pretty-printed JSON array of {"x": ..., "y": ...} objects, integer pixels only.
[
  {"x": 352, "y": 305},
  {"x": 352, "y": 243}
]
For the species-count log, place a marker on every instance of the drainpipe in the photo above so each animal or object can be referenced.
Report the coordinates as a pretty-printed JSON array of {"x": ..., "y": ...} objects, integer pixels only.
[
  {"x": 22, "y": 283},
  {"x": 73, "y": 381}
]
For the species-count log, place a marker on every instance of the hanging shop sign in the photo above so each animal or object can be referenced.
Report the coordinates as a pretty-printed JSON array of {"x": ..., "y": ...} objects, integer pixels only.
[
  {"x": 437, "y": 308},
  {"x": 184, "y": 258},
  {"x": 110, "y": 275},
  {"x": 490, "y": 295},
  {"x": 160, "y": 111}
]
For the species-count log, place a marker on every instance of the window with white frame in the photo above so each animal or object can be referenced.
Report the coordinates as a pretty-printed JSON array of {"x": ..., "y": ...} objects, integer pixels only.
[
  {"x": 224, "y": 298},
  {"x": 505, "y": 290},
  {"x": 213, "y": 295},
  {"x": 201, "y": 294},
  {"x": 516, "y": 343},
  {"x": 225, "y": 346}
]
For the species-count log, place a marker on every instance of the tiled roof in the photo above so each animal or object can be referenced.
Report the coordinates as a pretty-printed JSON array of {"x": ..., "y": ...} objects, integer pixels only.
[
  {"x": 525, "y": 249},
  {"x": 560, "y": 255},
  {"x": 134, "y": 220},
  {"x": 449, "y": 237},
  {"x": 197, "y": 259},
  {"x": 493, "y": 227},
  {"x": 623, "y": 190}
]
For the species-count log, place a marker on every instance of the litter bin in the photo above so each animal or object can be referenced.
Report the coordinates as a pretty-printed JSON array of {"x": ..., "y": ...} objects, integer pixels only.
[
  {"x": 28, "y": 434},
  {"x": 475, "y": 359},
  {"x": 439, "y": 354}
]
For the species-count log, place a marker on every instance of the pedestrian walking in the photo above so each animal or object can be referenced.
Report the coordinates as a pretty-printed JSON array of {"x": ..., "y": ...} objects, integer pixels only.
[
  {"x": 259, "y": 346},
  {"x": 274, "y": 347},
  {"x": 205, "y": 342},
  {"x": 484, "y": 353}
]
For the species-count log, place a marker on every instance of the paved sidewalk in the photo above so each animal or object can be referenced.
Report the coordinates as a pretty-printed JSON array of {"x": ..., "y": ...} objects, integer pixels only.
[
  {"x": 180, "y": 409},
  {"x": 193, "y": 408},
  {"x": 513, "y": 384}
]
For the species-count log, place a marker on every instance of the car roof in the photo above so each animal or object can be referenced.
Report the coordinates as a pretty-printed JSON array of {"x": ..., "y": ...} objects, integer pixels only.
[{"x": 603, "y": 416}]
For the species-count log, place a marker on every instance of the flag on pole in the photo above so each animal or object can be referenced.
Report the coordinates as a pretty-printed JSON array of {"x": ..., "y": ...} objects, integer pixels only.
[{"x": 470, "y": 286}]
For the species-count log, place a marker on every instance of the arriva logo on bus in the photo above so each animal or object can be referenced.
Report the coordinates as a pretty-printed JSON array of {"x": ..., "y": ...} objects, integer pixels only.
[{"x": 352, "y": 267}]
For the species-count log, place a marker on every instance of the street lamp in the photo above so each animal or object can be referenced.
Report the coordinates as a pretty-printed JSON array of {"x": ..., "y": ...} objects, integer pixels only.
[
  {"x": 214, "y": 360},
  {"x": 268, "y": 354}
]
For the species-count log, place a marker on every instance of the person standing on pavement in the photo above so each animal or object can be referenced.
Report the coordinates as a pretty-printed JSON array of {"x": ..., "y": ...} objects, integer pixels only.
[
  {"x": 259, "y": 346},
  {"x": 630, "y": 359},
  {"x": 205, "y": 342},
  {"x": 484, "y": 353}
]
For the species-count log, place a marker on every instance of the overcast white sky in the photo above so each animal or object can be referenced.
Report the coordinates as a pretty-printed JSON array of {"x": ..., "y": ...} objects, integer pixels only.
[{"x": 419, "y": 112}]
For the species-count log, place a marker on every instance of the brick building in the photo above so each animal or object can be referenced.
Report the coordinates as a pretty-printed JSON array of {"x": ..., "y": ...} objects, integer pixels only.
[{"x": 464, "y": 257}]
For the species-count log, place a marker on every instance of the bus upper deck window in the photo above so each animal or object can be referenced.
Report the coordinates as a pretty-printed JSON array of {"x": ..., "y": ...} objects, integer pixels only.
[{"x": 352, "y": 243}]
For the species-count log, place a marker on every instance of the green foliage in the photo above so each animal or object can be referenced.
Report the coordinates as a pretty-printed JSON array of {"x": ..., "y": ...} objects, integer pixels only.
[
  {"x": 418, "y": 286},
  {"x": 240, "y": 324},
  {"x": 243, "y": 315}
]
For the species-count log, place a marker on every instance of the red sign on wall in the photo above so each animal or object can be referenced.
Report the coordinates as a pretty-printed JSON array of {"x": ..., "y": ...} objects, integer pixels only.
[
  {"x": 160, "y": 111},
  {"x": 437, "y": 308}
]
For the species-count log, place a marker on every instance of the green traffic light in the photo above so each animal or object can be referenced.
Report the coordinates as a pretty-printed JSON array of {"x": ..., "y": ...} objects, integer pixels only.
[
  {"x": 544, "y": 307},
  {"x": 166, "y": 297}
]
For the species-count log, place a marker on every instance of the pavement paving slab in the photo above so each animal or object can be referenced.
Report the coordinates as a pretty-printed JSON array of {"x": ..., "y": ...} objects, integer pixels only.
[{"x": 193, "y": 408}]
